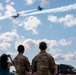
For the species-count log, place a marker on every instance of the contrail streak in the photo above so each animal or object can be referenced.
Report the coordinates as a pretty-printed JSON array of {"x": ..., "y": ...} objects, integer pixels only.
[
  {"x": 22, "y": 12},
  {"x": 4, "y": 17},
  {"x": 54, "y": 10}
]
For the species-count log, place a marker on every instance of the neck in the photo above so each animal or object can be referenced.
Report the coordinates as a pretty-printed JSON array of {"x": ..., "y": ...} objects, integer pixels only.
[
  {"x": 21, "y": 53},
  {"x": 43, "y": 50}
]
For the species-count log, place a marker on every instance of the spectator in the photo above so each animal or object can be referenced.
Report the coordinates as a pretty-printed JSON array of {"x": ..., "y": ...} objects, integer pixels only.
[
  {"x": 5, "y": 65},
  {"x": 21, "y": 62},
  {"x": 43, "y": 63}
]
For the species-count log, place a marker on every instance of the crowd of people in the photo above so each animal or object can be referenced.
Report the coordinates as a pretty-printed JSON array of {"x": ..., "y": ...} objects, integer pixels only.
[{"x": 42, "y": 64}]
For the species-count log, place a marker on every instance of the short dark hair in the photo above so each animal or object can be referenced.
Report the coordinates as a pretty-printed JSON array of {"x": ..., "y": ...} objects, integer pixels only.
[
  {"x": 42, "y": 45},
  {"x": 20, "y": 48}
]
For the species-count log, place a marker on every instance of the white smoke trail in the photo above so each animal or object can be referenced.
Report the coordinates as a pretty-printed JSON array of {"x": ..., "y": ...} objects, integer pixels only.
[
  {"x": 22, "y": 12},
  {"x": 4, "y": 17},
  {"x": 54, "y": 10}
]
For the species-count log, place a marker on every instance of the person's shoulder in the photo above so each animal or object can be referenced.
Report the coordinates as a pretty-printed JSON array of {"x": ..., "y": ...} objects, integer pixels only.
[
  {"x": 25, "y": 58},
  {"x": 35, "y": 57},
  {"x": 15, "y": 57},
  {"x": 49, "y": 55}
]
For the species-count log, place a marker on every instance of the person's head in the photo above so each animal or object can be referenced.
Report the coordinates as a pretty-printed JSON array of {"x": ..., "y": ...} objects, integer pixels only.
[
  {"x": 4, "y": 60},
  {"x": 42, "y": 46},
  {"x": 20, "y": 49}
]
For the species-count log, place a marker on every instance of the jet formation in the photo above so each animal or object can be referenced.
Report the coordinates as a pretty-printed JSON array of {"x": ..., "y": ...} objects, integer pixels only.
[{"x": 18, "y": 14}]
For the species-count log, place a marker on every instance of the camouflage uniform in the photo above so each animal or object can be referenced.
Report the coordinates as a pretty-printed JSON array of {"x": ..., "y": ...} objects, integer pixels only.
[
  {"x": 21, "y": 64},
  {"x": 43, "y": 64}
]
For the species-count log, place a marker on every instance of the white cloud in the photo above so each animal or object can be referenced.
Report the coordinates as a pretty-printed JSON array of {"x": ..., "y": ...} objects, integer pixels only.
[
  {"x": 59, "y": 56},
  {"x": 43, "y": 2},
  {"x": 0, "y": 14},
  {"x": 1, "y": 7},
  {"x": 68, "y": 56},
  {"x": 68, "y": 20},
  {"x": 9, "y": 36},
  {"x": 9, "y": 10},
  {"x": 28, "y": 43},
  {"x": 15, "y": 21},
  {"x": 33, "y": 44},
  {"x": 12, "y": 3},
  {"x": 54, "y": 51},
  {"x": 31, "y": 23},
  {"x": 0, "y": 27},
  {"x": 52, "y": 18},
  {"x": 29, "y": 2},
  {"x": 4, "y": 45},
  {"x": 51, "y": 43},
  {"x": 64, "y": 42},
  {"x": 11, "y": 53},
  {"x": 7, "y": 1}
]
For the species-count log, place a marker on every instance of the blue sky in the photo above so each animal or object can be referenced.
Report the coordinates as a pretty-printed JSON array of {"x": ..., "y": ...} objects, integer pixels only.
[{"x": 55, "y": 24}]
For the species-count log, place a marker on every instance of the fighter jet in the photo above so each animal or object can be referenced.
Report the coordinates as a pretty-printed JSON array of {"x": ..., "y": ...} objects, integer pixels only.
[
  {"x": 39, "y": 8},
  {"x": 16, "y": 16}
]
